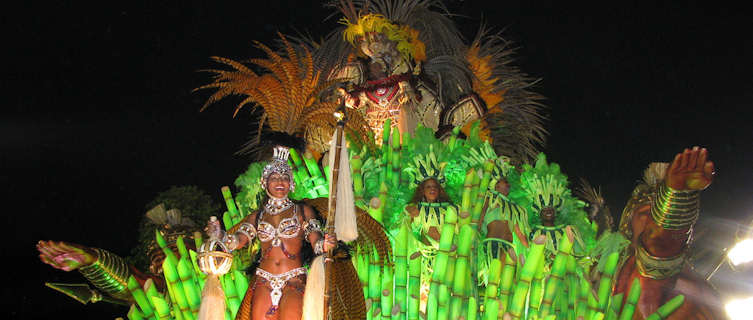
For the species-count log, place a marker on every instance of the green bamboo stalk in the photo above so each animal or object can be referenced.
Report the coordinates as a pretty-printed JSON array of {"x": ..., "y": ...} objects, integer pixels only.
[
  {"x": 597, "y": 316},
  {"x": 230, "y": 204},
  {"x": 508, "y": 275},
  {"x": 375, "y": 284},
  {"x": 557, "y": 274},
  {"x": 481, "y": 194},
  {"x": 443, "y": 308},
  {"x": 616, "y": 303},
  {"x": 395, "y": 157},
  {"x": 472, "y": 309},
  {"x": 581, "y": 309},
  {"x": 414, "y": 283},
  {"x": 464, "y": 216},
  {"x": 573, "y": 288},
  {"x": 386, "y": 150},
  {"x": 175, "y": 286},
  {"x": 141, "y": 300},
  {"x": 401, "y": 269},
  {"x": 462, "y": 276},
  {"x": 491, "y": 303},
  {"x": 632, "y": 299},
  {"x": 355, "y": 166},
  {"x": 474, "y": 195},
  {"x": 605, "y": 283},
  {"x": 537, "y": 290},
  {"x": 241, "y": 282},
  {"x": 386, "y": 293},
  {"x": 432, "y": 304},
  {"x": 377, "y": 204},
  {"x": 232, "y": 298},
  {"x": 667, "y": 309},
  {"x": 190, "y": 285},
  {"x": 593, "y": 304},
  {"x": 532, "y": 263},
  {"x": 134, "y": 313},
  {"x": 161, "y": 307},
  {"x": 454, "y": 138},
  {"x": 434, "y": 307}
]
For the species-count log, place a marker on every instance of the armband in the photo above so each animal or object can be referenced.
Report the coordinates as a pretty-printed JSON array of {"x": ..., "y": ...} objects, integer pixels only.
[
  {"x": 675, "y": 209},
  {"x": 232, "y": 241},
  {"x": 657, "y": 267},
  {"x": 109, "y": 273},
  {"x": 319, "y": 247},
  {"x": 312, "y": 225}
]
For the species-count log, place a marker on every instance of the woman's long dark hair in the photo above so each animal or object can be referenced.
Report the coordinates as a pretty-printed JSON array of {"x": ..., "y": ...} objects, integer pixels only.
[{"x": 418, "y": 195}]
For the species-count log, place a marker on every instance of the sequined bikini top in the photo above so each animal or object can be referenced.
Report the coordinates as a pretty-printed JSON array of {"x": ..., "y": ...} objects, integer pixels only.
[{"x": 288, "y": 228}]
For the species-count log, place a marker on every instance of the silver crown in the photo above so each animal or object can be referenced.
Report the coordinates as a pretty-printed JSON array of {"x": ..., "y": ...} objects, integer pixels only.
[{"x": 279, "y": 165}]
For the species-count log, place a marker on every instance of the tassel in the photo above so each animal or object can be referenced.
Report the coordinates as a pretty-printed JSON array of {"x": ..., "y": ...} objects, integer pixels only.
[
  {"x": 345, "y": 219},
  {"x": 212, "y": 300},
  {"x": 313, "y": 302}
]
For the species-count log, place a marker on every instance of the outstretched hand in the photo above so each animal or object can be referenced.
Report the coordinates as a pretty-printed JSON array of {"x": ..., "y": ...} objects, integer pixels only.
[
  {"x": 65, "y": 256},
  {"x": 690, "y": 170}
]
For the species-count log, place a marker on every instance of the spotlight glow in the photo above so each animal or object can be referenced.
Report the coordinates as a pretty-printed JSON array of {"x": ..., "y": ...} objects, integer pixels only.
[
  {"x": 741, "y": 253},
  {"x": 739, "y": 309}
]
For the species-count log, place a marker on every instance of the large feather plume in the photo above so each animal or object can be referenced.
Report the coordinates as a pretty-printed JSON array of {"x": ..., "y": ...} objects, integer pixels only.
[
  {"x": 514, "y": 111},
  {"x": 289, "y": 93}
]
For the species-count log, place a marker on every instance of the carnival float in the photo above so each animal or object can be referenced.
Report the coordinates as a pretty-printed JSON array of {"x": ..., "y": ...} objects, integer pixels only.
[{"x": 419, "y": 153}]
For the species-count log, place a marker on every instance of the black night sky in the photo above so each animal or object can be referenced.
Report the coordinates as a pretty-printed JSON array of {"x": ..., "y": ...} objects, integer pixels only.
[{"x": 99, "y": 116}]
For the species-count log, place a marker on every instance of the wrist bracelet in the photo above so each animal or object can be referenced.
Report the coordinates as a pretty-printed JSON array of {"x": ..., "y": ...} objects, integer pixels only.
[
  {"x": 108, "y": 273},
  {"x": 675, "y": 209}
]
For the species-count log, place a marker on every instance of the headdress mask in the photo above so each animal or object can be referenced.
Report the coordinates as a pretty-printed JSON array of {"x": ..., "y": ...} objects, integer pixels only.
[{"x": 279, "y": 165}]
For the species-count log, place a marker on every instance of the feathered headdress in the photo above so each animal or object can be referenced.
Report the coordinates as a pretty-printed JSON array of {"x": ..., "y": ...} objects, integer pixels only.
[{"x": 289, "y": 95}]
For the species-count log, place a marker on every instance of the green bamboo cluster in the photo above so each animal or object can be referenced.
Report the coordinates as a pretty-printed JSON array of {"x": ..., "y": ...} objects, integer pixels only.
[
  {"x": 185, "y": 281},
  {"x": 522, "y": 280}
]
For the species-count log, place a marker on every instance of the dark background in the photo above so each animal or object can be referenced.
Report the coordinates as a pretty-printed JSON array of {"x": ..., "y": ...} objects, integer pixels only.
[{"x": 99, "y": 116}]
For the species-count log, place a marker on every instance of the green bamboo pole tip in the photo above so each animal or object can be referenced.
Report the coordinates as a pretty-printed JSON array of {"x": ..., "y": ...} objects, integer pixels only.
[
  {"x": 386, "y": 130},
  {"x": 668, "y": 308},
  {"x": 605, "y": 283},
  {"x": 229, "y": 202},
  {"x": 175, "y": 286},
  {"x": 535, "y": 254},
  {"x": 161, "y": 307},
  {"x": 632, "y": 298},
  {"x": 465, "y": 202},
  {"x": 134, "y": 313},
  {"x": 190, "y": 286},
  {"x": 140, "y": 297}
]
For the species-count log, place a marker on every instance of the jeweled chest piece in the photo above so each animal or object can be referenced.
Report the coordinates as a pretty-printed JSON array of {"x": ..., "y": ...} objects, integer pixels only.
[{"x": 276, "y": 206}]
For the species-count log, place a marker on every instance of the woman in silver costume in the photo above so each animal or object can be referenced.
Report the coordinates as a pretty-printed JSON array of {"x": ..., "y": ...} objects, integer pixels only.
[{"x": 282, "y": 226}]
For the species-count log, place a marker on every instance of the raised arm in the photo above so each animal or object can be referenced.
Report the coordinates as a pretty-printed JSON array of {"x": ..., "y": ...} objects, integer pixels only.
[{"x": 676, "y": 204}]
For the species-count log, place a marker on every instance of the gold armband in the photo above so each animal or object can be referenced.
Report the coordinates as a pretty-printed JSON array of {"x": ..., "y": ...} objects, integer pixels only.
[
  {"x": 675, "y": 209},
  {"x": 658, "y": 267},
  {"x": 108, "y": 273}
]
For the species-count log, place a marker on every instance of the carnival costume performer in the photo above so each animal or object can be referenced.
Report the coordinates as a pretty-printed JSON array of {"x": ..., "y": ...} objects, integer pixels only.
[
  {"x": 108, "y": 272},
  {"x": 659, "y": 220},
  {"x": 281, "y": 226}
]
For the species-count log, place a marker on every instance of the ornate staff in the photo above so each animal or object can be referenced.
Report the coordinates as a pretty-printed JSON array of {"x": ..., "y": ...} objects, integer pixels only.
[{"x": 331, "y": 215}]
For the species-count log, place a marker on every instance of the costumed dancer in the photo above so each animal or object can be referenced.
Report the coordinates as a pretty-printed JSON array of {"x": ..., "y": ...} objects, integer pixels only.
[
  {"x": 281, "y": 226},
  {"x": 659, "y": 220}
]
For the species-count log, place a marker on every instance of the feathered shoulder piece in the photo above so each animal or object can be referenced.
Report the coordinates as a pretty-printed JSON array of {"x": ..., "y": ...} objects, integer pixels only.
[{"x": 289, "y": 94}]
